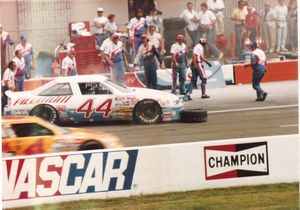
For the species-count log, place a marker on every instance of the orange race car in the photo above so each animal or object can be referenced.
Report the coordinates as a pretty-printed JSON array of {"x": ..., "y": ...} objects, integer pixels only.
[{"x": 25, "y": 135}]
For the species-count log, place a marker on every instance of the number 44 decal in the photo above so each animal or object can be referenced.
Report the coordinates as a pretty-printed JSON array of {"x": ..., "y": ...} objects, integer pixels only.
[{"x": 87, "y": 108}]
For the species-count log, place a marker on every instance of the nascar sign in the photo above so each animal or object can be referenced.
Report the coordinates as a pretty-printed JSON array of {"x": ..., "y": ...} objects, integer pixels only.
[{"x": 60, "y": 175}]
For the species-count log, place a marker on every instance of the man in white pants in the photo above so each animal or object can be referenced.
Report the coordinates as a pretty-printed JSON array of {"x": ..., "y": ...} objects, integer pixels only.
[
  {"x": 281, "y": 11},
  {"x": 217, "y": 7}
]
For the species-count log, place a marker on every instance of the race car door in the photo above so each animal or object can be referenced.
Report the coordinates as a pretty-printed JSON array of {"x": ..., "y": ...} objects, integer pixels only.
[{"x": 96, "y": 102}]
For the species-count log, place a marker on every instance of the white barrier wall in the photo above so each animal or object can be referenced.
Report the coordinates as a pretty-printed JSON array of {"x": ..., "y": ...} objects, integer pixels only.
[{"x": 153, "y": 169}]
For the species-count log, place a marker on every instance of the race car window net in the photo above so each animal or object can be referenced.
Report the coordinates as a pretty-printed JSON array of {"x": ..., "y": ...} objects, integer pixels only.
[
  {"x": 58, "y": 89},
  {"x": 30, "y": 129},
  {"x": 93, "y": 88}
]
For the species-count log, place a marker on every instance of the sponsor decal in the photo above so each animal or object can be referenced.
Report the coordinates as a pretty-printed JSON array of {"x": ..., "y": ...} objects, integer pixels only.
[
  {"x": 41, "y": 99},
  {"x": 68, "y": 174},
  {"x": 236, "y": 160}
]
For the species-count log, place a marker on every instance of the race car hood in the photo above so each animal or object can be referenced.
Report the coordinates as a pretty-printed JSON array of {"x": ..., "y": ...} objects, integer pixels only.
[{"x": 155, "y": 94}]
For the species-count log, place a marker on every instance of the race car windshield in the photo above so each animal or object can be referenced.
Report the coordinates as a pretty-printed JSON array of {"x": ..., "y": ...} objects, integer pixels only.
[
  {"x": 60, "y": 129},
  {"x": 119, "y": 87}
]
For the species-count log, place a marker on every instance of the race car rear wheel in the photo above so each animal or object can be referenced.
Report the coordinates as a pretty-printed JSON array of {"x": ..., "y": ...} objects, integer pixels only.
[
  {"x": 147, "y": 112},
  {"x": 193, "y": 115},
  {"x": 91, "y": 145},
  {"x": 46, "y": 112}
]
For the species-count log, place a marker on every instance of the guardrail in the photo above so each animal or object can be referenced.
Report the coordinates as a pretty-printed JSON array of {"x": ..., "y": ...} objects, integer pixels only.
[{"x": 126, "y": 172}]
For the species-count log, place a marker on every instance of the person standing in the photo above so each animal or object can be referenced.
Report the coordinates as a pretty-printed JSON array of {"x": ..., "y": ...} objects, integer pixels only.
[
  {"x": 258, "y": 63},
  {"x": 137, "y": 27},
  {"x": 8, "y": 82},
  {"x": 292, "y": 24},
  {"x": 68, "y": 66},
  {"x": 281, "y": 17},
  {"x": 55, "y": 67},
  {"x": 197, "y": 68},
  {"x": 100, "y": 22},
  {"x": 268, "y": 26},
  {"x": 116, "y": 59},
  {"x": 4, "y": 39},
  {"x": 19, "y": 70},
  {"x": 147, "y": 53},
  {"x": 207, "y": 20},
  {"x": 156, "y": 39},
  {"x": 238, "y": 16},
  {"x": 27, "y": 52},
  {"x": 191, "y": 22},
  {"x": 217, "y": 7},
  {"x": 251, "y": 24},
  {"x": 179, "y": 64},
  {"x": 154, "y": 19}
]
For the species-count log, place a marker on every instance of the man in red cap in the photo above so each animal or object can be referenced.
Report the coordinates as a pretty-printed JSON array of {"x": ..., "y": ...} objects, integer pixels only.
[
  {"x": 179, "y": 63},
  {"x": 147, "y": 53},
  {"x": 116, "y": 58}
]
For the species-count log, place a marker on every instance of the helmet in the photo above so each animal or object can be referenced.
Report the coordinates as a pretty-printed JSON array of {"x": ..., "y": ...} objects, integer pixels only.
[
  {"x": 179, "y": 37},
  {"x": 254, "y": 44},
  {"x": 203, "y": 40},
  {"x": 115, "y": 36}
]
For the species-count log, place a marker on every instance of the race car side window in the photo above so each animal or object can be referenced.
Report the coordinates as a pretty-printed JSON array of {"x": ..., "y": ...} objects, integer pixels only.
[
  {"x": 59, "y": 89},
  {"x": 30, "y": 129},
  {"x": 93, "y": 88}
]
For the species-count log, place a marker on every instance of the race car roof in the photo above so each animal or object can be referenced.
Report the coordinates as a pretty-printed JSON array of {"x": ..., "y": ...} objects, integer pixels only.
[{"x": 82, "y": 78}]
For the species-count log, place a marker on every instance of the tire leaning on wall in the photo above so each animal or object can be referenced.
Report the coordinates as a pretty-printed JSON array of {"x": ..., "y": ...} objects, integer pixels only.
[
  {"x": 173, "y": 23},
  {"x": 171, "y": 34}
]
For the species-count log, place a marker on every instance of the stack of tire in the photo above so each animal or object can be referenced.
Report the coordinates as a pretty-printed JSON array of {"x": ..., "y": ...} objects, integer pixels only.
[{"x": 172, "y": 27}]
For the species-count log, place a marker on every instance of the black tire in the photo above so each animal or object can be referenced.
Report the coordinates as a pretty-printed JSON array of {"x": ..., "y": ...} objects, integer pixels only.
[
  {"x": 168, "y": 61},
  {"x": 147, "y": 112},
  {"x": 193, "y": 115},
  {"x": 168, "y": 46},
  {"x": 171, "y": 34},
  {"x": 46, "y": 112},
  {"x": 91, "y": 145},
  {"x": 173, "y": 23}
]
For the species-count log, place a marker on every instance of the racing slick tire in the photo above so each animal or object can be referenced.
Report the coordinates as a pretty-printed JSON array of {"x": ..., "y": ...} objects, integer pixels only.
[
  {"x": 173, "y": 23},
  {"x": 193, "y": 115},
  {"x": 91, "y": 145},
  {"x": 147, "y": 112},
  {"x": 46, "y": 112}
]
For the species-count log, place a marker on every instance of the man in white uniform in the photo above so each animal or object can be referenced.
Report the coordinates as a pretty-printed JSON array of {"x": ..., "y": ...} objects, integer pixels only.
[
  {"x": 281, "y": 11},
  {"x": 100, "y": 22},
  {"x": 20, "y": 70},
  {"x": 8, "y": 82},
  {"x": 68, "y": 66}
]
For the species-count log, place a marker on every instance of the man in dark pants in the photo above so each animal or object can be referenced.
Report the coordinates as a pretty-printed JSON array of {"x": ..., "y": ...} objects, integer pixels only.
[
  {"x": 198, "y": 69},
  {"x": 147, "y": 52},
  {"x": 258, "y": 63}
]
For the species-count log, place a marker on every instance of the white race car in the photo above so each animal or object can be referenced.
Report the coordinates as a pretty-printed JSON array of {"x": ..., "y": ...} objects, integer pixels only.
[{"x": 94, "y": 98}]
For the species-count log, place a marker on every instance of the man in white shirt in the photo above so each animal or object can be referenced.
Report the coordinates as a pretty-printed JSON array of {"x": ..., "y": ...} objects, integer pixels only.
[
  {"x": 68, "y": 65},
  {"x": 191, "y": 21},
  {"x": 217, "y": 7},
  {"x": 154, "y": 19},
  {"x": 8, "y": 82},
  {"x": 27, "y": 52},
  {"x": 156, "y": 39},
  {"x": 281, "y": 11},
  {"x": 207, "y": 20},
  {"x": 100, "y": 22},
  {"x": 268, "y": 26},
  {"x": 179, "y": 64},
  {"x": 20, "y": 70},
  {"x": 116, "y": 58},
  {"x": 136, "y": 27}
]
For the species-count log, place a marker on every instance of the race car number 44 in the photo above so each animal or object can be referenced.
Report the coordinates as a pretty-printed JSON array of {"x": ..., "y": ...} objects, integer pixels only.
[{"x": 87, "y": 108}]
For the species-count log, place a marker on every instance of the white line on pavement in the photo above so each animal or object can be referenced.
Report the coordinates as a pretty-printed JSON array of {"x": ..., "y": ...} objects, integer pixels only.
[
  {"x": 291, "y": 125},
  {"x": 253, "y": 109}
]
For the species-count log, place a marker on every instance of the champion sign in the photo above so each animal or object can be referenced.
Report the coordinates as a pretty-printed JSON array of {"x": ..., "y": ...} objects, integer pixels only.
[
  {"x": 236, "y": 160},
  {"x": 68, "y": 174}
]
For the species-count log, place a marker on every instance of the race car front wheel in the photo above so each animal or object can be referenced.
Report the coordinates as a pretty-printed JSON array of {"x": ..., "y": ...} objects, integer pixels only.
[
  {"x": 147, "y": 112},
  {"x": 46, "y": 112}
]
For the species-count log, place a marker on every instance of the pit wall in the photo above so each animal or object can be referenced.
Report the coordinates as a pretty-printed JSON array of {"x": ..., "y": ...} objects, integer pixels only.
[{"x": 101, "y": 174}]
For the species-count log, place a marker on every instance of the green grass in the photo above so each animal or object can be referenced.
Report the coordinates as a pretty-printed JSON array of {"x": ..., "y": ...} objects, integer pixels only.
[{"x": 277, "y": 196}]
